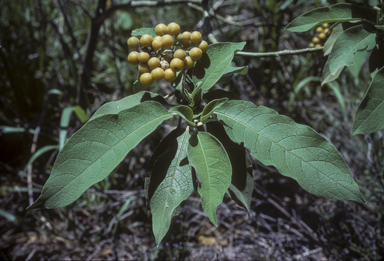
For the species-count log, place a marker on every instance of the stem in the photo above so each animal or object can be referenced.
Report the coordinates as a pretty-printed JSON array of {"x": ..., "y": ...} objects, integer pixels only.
[{"x": 281, "y": 53}]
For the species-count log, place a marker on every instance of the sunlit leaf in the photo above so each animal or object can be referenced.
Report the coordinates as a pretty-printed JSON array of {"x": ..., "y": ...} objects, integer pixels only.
[
  {"x": 296, "y": 150},
  {"x": 95, "y": 150},
  {"x": 213, "y": 169}
]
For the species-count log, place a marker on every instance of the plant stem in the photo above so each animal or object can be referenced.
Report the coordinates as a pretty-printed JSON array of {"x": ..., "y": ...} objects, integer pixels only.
[{"x": 281, "y": 53}]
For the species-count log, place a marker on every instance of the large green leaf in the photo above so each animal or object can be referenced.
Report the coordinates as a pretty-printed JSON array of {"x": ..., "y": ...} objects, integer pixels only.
[
  {"x": 211, "y": 107},
  {"x": 347, "y": 44},
  {"x": 213, "y": 169},
  {"x": 174, "y": 184},
  {"x": 231, "y": 70},
  {"x": 241, "y": 187},
  {"x": 128, "y": 102},
  {"x": 95, "y": 150},
  {"x": 183, "y": 111},
  {"x": 334, "y": 13},
  {"x": 142, "y": 31},
  {"x": 296, "y": 150},
  {"x": 214, "y": 63},
  {"x": 370, "y": 113},
  {"x": 332, "y": 39}
]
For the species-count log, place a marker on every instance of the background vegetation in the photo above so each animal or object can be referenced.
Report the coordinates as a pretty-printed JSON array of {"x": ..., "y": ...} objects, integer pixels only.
[{"x": 59, "y": 54}]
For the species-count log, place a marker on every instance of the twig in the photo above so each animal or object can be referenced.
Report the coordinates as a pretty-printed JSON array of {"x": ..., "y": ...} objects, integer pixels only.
[{"x": 281, "y": 53}]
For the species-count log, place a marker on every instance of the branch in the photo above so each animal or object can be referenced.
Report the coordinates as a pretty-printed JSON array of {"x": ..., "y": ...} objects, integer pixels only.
[{"x": 281, "y": 53}]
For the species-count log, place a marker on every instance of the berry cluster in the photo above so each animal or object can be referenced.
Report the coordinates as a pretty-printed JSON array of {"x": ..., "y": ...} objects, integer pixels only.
[
  {"x": 322, "y": 34},
  {"x": 169, "y": 52}
]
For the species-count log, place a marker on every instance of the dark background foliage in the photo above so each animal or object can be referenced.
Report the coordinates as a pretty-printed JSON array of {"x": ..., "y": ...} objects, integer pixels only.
[{"x": 62, "y": 53}]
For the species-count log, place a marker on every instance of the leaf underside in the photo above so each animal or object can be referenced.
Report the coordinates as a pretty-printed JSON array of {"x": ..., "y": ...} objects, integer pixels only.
[{"x": 296, "y": 150}]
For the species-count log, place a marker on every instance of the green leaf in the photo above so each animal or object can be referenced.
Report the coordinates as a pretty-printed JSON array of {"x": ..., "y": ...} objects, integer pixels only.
[
  {"x": 334, "y": 13},
  {"x": 296, "y": 150},
  {"x": 128, "y": 102},
  {"x": 142, "y": 31},
  {"x": 197, "y": 95},
  {"x": 370, "y": 113},
  {"x": 232, "y": 70},
  {"x": 376, "y": 61},
  {"x": 211, "y": 107},
  {"x": 184, "y": 112},
  {"x": 174, "y": 185},
  {"x": 360, "y": 58},
  {"x": 332, "y": 39},
  {"x": 348, "y": 44},
  {"x": 304, "y": 82},
  {"x": 327, "y": 75},
  {"x": 241, "y": 187},
  {"x": 214, "y": 63},
  {"x": 80, "y": 113},
  {"x": 213, "y": 169},
  {"x": 12, "y": 218},
  {"x": 95, "y": 150}
]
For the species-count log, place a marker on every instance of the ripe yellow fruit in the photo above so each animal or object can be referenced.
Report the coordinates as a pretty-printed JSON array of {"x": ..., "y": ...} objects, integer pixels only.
[
  {"x": 144, "y": 68},
  {"x": 186, "y": 36},
  {"x": 164, "y": 65},
  {"x": 188, "y": 62},
  {"x": 319, "y": 29},
  {"x": 133, "y": 42},
  {"x": 133, "y": 58},
  {"x": 177, "y": 64},
  {"x": 196, "y": 37},
  {"x": 156, "y": 44},
  {"x": 318, "y": 45},
  {"x": 154, "y": 62},
  {"x": 169, "y": 75},
  {"x": 195, "y": 53},
  {"x": 146, "y": 40},
  {"x": 180, "y": 53},
  {"x": 326, "y": 25},
  {"x": 315, "y": 40},
  {"x": 173, "y": 28},
  {"x": 157, "y": 74},
  {"x": 203, "y": 46},
  {"x": 161, "y": 29},
  {"x": 146, "y": 79},
  {"x": 322, "y": 36},
  {"x": 143, "y": 57},
  {"x": 167, "y": 41}
]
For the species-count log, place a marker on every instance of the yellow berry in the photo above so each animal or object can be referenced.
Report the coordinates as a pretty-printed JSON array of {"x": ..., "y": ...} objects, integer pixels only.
[
  {"x": 146, "y": 79},
  {"x": 143, "y": 57},
  {"x": 326, "y": 25},
  {"x": 196, "y": 37},
  {"x": 173, "y": 28},
  {"x": 322, "y": 36},
  {"x": 203, "y": 46},
  {"x": 133, "y": 58},
  {"x": 133, "y": 42},
  {"x": 177, "y": 64},
  {"x": 169, "y": 75},
  {"x": 164, "y": 65},
  {"x": 157, "y": 74},
  {"x": 195, "y": 53},
  {"x": 180, "y": 53},
  {"x": 186, "y": 36},
  {"x": 146, "y": 40},
  {"x": 154, "y": 62},
  {"x": 315, "y": 40},
  {"x": 319, "y": 29},
  {"x": 157, "y": 38},
  {"x": 157, "y": 44},
  {"x": 167, "y": 41},
  {"x": 167, "y": 57},
  {"x": 144, "y": 68},
  {"x": 318, "y": 45},
  {"x": 161, "y": 29},
  {"x": 188, "y": 62}
]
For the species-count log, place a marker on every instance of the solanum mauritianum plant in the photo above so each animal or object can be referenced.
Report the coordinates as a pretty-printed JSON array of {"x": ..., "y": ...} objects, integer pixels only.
[
  {"x": 357, "y": 31},
  {"x": 209, "y": 150}
]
